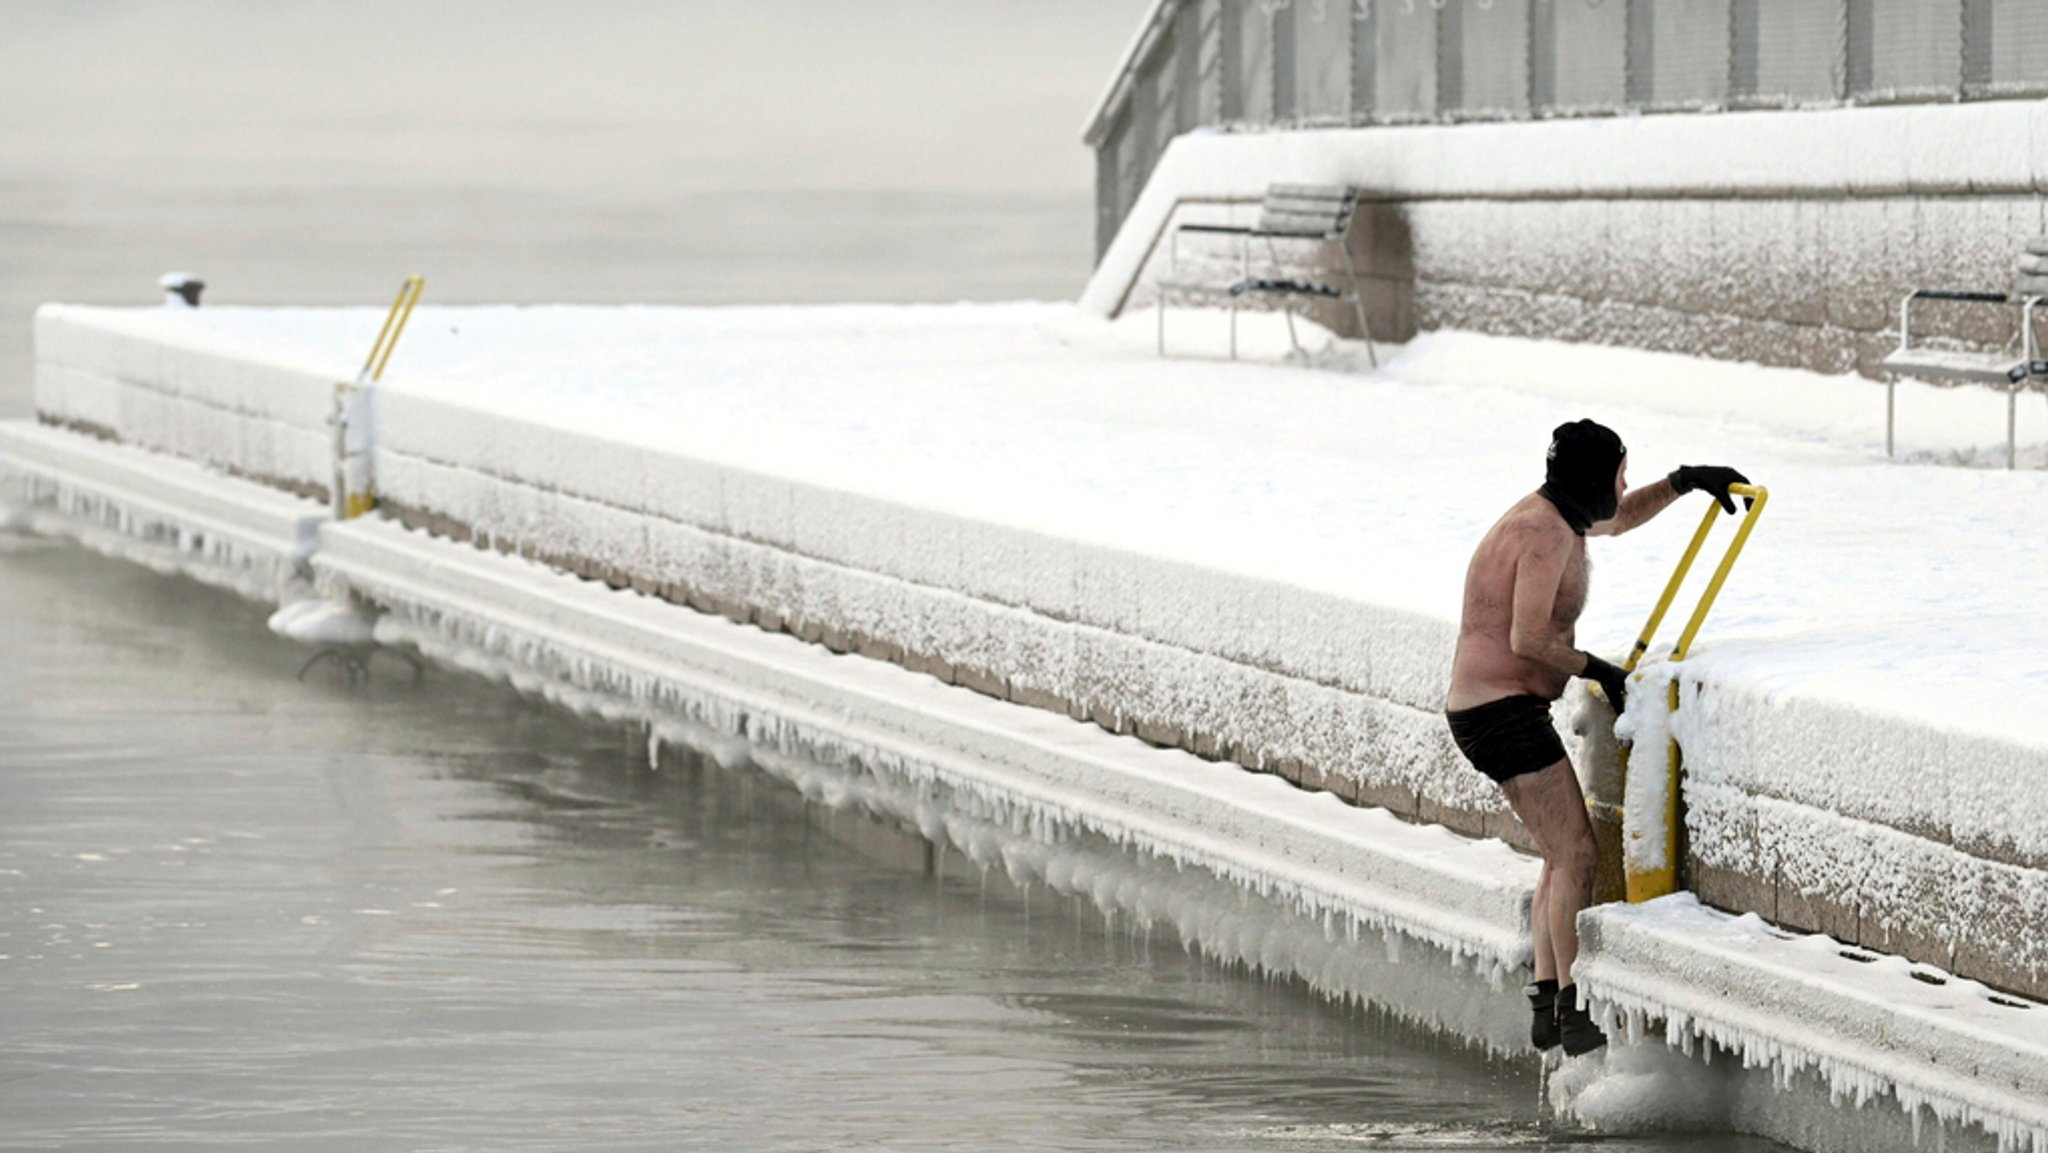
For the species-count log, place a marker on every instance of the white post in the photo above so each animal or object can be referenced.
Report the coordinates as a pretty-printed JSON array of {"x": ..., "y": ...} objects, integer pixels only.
[{"x": 354, "y": 485}]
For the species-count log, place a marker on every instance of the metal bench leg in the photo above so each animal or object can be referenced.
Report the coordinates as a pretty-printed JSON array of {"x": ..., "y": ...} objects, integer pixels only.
[
  {"x": 1358, "y": 303},
  {"x": 1162, "y": 324},
  {"x": 1891, "y": 388},
  {"x": 2012, "y": 417},
  {"x": 1233, "y": 329},
  {"x": 1292, "y": 338}
]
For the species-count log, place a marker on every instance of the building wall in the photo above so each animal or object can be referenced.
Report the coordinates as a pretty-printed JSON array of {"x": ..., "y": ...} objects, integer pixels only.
[{"x": 1284, "y": 64}]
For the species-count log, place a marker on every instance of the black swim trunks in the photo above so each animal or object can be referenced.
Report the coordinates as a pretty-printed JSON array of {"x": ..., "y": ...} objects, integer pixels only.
[{"x": 1508, "y": 737}]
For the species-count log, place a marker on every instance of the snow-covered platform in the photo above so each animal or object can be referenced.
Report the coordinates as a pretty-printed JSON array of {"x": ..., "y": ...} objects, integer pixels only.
[
  {"x": 1870, "y": 1026},
  {"x": 1255, "y": 564}
]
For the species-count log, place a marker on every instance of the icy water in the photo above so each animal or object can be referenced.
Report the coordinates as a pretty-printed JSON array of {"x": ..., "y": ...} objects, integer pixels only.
[{"x": 235, "y": 907}]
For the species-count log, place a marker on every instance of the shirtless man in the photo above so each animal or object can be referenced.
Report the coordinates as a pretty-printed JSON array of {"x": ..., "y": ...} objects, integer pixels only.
[{"x": 1523, "y": 594}]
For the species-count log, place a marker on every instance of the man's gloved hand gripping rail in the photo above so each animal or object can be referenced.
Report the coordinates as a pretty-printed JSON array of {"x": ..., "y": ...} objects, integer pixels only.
[{"x": 1724, "y": 485}]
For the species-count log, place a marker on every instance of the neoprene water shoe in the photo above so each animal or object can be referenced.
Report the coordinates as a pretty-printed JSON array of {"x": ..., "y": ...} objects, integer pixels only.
[
  {"x": 1575, "y": 1026},
  {"x": 1543, "y": 1015}
]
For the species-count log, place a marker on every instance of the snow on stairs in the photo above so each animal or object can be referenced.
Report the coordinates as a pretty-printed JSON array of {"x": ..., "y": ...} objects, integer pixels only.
[{"x": 1870, "y": 1025}]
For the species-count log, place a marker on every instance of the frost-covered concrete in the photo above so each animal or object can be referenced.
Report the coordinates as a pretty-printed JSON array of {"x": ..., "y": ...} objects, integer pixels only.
[
  {"x": 1269, "y": 548},
  {"x": 1874, "y": 1028},
  {"x": 1250, "y": 563},
  {"x": 1782, "y": 237},
  {"x": 1240, "y": 867}
]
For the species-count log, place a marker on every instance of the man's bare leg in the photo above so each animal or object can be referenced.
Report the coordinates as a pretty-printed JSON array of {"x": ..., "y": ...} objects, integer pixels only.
[
  {"x": 1554, "y": 811},
  {"x": 1545, "y": 959}
]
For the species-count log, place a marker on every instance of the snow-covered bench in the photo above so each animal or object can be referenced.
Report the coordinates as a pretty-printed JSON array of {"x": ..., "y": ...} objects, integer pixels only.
[
  {"x": 1291, "y": 214},
  {"x": 2013, "y": 368}
]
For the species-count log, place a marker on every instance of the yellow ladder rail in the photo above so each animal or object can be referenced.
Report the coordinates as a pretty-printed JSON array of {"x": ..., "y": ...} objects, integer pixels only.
[
  {"x": 1649, "y": 883},
  {"x": 394, "y": 327},
  {"x": 354, "y": 489}
]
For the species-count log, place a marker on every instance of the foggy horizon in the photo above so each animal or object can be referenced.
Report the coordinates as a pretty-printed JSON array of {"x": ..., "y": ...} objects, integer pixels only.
[{"x": 631, "y": 99}]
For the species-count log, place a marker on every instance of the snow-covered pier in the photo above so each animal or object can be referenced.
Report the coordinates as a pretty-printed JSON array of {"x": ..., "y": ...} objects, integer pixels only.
[{"x": 1212, "y": 602}]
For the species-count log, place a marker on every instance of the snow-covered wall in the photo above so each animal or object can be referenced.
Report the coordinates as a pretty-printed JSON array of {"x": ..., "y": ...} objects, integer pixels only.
[
  {"x": 108, "y": 372},
  {"x": 1299, "y": 683},
  {"x": 1784, "y": 238}
]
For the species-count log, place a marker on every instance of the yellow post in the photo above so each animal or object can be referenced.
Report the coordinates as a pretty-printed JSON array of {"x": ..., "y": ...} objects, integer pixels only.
[
  {"x": 1644, "y": 884},
  {"x": 355, "y": 489}
]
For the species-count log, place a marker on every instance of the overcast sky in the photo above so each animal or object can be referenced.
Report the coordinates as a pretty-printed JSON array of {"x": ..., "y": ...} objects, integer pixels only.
[{"x": 976, "y": 94}]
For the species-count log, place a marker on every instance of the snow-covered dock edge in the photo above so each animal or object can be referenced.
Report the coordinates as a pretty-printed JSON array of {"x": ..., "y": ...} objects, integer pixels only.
[{"x": 924, "y": 753}]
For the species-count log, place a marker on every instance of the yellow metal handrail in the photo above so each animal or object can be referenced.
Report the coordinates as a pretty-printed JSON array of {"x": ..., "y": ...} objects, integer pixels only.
[
  {"x": 1648, "y": 884},
  {"x": 1758, "y": 496},
  {"x": 394, "y": 326}
]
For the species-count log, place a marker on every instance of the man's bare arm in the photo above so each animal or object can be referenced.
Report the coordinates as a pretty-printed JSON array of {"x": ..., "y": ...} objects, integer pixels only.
[
  {"x": 1637, "y": 508},
  {"x": 1532, "y": 631}
]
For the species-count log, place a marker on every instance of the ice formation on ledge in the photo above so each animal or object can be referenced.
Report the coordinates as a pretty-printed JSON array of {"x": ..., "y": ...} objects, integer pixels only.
[
  {"x": 1870, "y": 1028},
  {"x": 1221, "y": 910},
  {"x": 162, "y": 543},
  {"x": 1647, "y": 795}
]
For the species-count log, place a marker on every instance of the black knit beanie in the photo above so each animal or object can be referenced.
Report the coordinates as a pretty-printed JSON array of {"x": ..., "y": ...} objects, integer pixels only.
[{"x": 1579, "y": 476}]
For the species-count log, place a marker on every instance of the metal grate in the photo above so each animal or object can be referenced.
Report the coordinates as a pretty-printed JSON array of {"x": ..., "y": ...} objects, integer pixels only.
[
  {"x": 1688, "y": 46},
  {"x": 1208, "y": 61},
  {"x": 2019, "y": 47},
  {"x": 1494, "y": 52},
  {"x": 1248, "y": 62},
  {"x": 1187, "y": 66},
  {"x": 1110, "y": 204},
  {"x": 1283, "y": 62},
  {"x": 1161, "y": 78},
  {"x": 1588, "y": 54},
  {"x": 1322, "y": 60},
  {"x": 1916, "y": 48},
  {"x": 1404, "y": 81},
  {"x": 1364, "y": 61},
  {"x": 1799, "y": 50}
]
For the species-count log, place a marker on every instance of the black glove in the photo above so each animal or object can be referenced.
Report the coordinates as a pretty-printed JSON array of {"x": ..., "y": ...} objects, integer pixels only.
[
  {"x": 1714, "y": 478},
  {"x": 1612, "y": 681}
]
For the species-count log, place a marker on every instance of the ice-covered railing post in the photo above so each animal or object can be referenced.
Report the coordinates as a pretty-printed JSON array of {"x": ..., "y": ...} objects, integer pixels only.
[
  {"x": 355, "y": 489},
  {"x": 1649, "y": 806}
]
